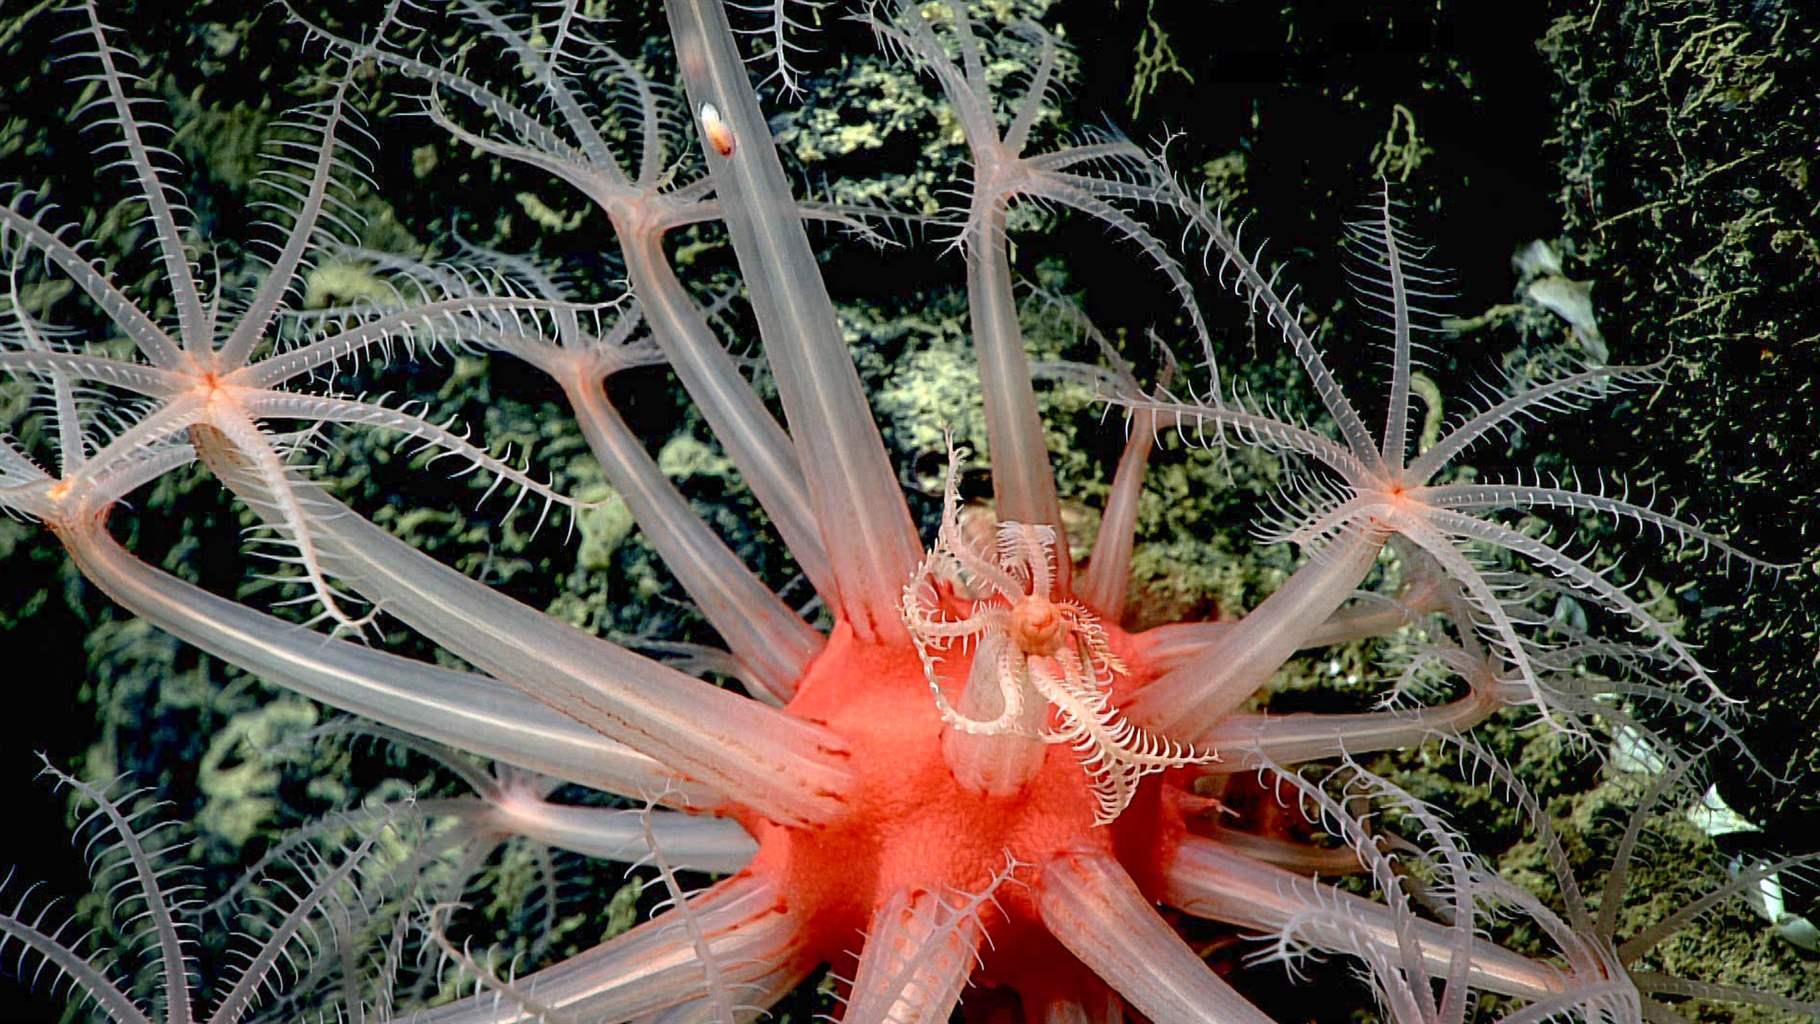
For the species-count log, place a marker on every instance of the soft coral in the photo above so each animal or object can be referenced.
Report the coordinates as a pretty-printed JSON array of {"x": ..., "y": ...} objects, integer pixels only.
[{"x": 850, "y": 789}]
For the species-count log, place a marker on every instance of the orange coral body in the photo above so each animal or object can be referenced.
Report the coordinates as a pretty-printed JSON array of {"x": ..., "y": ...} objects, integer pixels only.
[{"x": 910, "y": 825}]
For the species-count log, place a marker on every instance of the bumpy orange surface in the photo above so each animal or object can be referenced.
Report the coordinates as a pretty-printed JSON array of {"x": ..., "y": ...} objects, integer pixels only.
[{"x": 910, "y": 825}]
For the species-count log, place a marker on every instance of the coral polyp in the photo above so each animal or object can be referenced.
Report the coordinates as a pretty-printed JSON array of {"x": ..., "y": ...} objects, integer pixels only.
[{"x": 929, "y": 752}]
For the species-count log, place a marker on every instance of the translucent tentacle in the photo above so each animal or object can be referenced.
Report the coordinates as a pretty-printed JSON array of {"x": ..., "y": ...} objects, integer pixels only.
[
  {"x": 855, "y": 492},
  {"x": 1094, "y": 908}
]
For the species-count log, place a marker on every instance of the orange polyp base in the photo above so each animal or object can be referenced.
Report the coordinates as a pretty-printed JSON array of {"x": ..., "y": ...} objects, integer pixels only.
[{"x": 910, "y": 825}]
